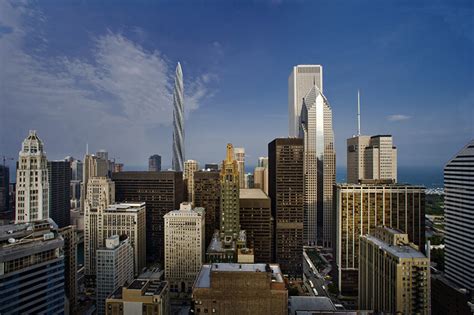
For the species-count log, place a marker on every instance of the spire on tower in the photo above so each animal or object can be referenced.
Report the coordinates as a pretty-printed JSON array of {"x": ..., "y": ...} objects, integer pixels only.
[{"x": 358, "y": 112}]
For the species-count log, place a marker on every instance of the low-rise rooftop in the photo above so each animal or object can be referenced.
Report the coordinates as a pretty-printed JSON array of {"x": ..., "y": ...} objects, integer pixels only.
[
  {"x": 126, "y": 206},
  {"x": 400, "y": 251},
  {"x": 252, "y": 193}
]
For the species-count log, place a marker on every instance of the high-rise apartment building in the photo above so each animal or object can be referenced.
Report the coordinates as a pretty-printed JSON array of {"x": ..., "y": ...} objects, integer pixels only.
[
  {"x": 162, "y": 191},
  {"x": 190, "y": 167},
  {"x": 114, "y": 268},
  {"x": 32, "y": 185},
  {"x": 70, "y": 266},
  {"x": 394, "y": 277},
  {"x": 239, "y": 156},
  {"x": 154, "y": 163},
  {"x": 59, "y": 177},
  {"x": 178, "y": 120},
  {"x": 230, "y": 185},
  {"x": 301, "y": 80},
  {"x": 32, "y": 268},
  {"x": 184, "y": 247},
  {"x": 286, "y": 188},
  {"x": 4, "y": 189},
  {"x": 256, "y": 220},
  {"x": 319, "y": 167},
  {"x": 360, "y": 208},
  {"x": 247, "y": 289},
  {"x": 207, "y": 194},
  {"x": 459, "y": 217}
]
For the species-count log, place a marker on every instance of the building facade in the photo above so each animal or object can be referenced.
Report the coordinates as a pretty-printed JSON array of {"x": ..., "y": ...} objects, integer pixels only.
[
  {"x": 70, "y": 266},
  {"x": 154, "y": 163},
  {"x": 32, "y": 184},
  {"x": 190, "y": 167},
  {"x": 247, "y": 289},
  {"x": 459, "y": 217},
  {"x": 360, "y": 209},
  {"x": 4, "y": 189},
  {"x": 184, "y": 247},
  {"x": 260, "y": 178},
  {"x": 286, "y": 187},
  {"x": 59, "y": 177},
  {"x": 178, "y": 120},
  {"x": 93, "y": 167},
  {"x": 256, "y": 220},
  {"x": 239, "y": 156},
  {"x": 162, "y": 191},
  {"x": 394, "y": 277}
]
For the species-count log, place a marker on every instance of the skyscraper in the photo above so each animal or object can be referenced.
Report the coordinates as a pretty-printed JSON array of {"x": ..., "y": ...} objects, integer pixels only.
[
  {"x": 260, "y": 178},
  {"x": 302, "y": 79},
  {"x": 92, "y": 167},
  {"x": 59, "y": 176},
  {"x": 262, "y": 161},
  {"x": 230, "y": 184},
  {"x": 319, "y": 167},
  {"x": 459, "y": 216},
  {"x": 239, "y": 156},
  {"x": 154, "y": 163},
  {"x": 69, "y": 235},
  {"x": 178, "y": 121},
  {"x": 286, "y": 188},
  {"x": 4, "y": 188},
  {"x": 32, "y": 185},
  {"x": 190, "y": 167},
  {"x": 184, "y": 247}
]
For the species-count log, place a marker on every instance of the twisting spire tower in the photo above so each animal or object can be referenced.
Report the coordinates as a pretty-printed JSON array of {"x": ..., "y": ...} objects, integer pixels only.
[{"x": 178, "y": 121}]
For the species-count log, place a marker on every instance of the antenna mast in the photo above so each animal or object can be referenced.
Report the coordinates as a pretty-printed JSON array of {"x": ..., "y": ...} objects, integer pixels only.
[{"x": 358, "y": 113}]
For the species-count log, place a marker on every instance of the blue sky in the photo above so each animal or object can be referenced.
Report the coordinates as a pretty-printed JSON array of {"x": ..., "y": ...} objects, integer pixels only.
[{"x": 101, "y": 72}]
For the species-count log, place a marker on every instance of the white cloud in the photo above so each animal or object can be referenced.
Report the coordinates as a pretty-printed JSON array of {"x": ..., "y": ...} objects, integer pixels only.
[{"x": 398, "y": 117}]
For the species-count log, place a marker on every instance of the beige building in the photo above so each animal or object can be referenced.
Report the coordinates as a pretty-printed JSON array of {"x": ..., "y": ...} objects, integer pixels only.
[
  {"x": 260, "y": 178},
  {"x": 394, "y": 277},
  {"x": 190, "y": 167},
  {"x": 184, "y": 247},
  {"x": 244, "y": 289},
  {"x": 93, "y": 167},
  {"x": 371, "y": 158},
  {"x": 142, "y": 296},
  {"x": 239, "y": 156}
]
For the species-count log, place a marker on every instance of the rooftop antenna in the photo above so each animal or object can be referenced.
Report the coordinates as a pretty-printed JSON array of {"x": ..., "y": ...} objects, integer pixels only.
[
  {"x": 87, "y": 148},
  {"x": 358, "y": 112}
]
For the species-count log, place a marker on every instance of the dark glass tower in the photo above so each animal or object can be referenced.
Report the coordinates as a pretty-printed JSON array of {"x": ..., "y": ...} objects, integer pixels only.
[{"x": 59, "y": 176}]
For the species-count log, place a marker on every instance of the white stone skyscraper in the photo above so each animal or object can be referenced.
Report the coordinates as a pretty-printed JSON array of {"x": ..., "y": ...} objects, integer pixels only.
[
  {"x": 178, "y": 121},
  {"x": 300, "y": 82},
  {"x": 319, "y": 167},
  {"x": 32, "y": 185},
  {"x": 239, "y": 156}
]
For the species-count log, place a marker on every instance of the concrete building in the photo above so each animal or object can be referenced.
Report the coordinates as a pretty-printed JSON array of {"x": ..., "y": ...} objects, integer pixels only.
[
  {"x": 93, "y": 167},
  {"x": 394, "y": 277},
  {"x": 59, "y": 177},
  {"x": 162, "y": 191},
  {"x": 319, "y": 167},
  {"x": 184, "y": 247},
  {"x": 190, "y": 167},
  {"x": 459, "y": 217},
  {"x": 178, "y": 120},
  {"x": 260, "y": 178},
  {"x": 302, "y": 78},
  {"x": 114, "y": 268},
  {"x": 142, "y": 296},
  {"x": 249, "y": 181},
  {"x": 286, "y": 188},
  {"x": 4, "y": 189},
  {"x": 70, "y": 267},
  {"x": 154, "y": 163},
  {"x": 32, "y": 185},
  {"x": 239, "y": 156},
  {"x": 262, "y": 162},
  {"x": 32, "y": 269},
  {"x": 247, "y": 289},
  {"x": 256, "y": 220},
  {"x": 360, "y": 209},
  {"x": 207, "y": 194},
  {"x": 118, "y": 167}
]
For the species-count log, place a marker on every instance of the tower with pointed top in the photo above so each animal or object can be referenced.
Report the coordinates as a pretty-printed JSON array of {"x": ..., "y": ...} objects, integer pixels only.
[
  {"x": 230, "y": 194},
  {"x": 178, "y": 121},
  {"x": 32, "y": 185}
]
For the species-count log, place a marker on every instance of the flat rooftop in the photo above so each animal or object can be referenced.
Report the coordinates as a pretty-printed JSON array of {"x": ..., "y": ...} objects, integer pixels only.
[
  {"x": 310, "y": 303},
  {"x": 252, "y": 193},
  {"x": 126, "y": 206},
  {"x": 379, "y": 186},
  {"x": 400, "y": 251}
]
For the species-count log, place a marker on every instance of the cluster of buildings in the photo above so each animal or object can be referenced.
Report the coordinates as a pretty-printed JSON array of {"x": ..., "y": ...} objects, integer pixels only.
[{"x": 227, "y": 240}]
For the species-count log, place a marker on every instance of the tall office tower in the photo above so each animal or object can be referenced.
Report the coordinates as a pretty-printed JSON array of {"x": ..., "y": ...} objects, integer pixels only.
[
  {"x": 154, "y": 163},
  {"x": 286, "y": 188},
  {"x": 70, "y": 266},
  {"x": 127, "y": 219},
  {"x": 178, "y": 121},
  {"x": 249, "y": 181},
  {"x": 32, "y": 277},
  {"x": 207, "y": 194},
  {"x": 75, "y": 189},
  {"x": 260, "y": 178},
  {"x": 459, "y": 216},
  {"x": 118, "y": 167},
  {"x": 4, "y": 189},
  {"x": 394, "y": 277},
  {"x": 114, "y": 268},
  {"x": 356, "y": 158},
  {"x": 319, "y": 167},
  {"x": 142, "y": 296},
  {"x": 184, "y": 247},
  {"x": 59, "y": 177},
  {"x": 211, "y": 166},
  {"x": 190, "y": 166},
  {"x": 102, "y": 154},
  {"x": 262, "y": 162},
  {"x": 239, "y": 156},
  {"x": 360, "y": 208},
  {"x": 92, "y": 167},
  {"x": 223, "y": 288},
  {"x": 256, "y": 220},
  {"x": 32, "y": 185},
  {"x": 77, "y": 170},
  {"x": 100, "y": 193},
  {"x": 301, "y": 81},
  {"x": 161, "y": 191},
  {"x": 230, "y": 184}
]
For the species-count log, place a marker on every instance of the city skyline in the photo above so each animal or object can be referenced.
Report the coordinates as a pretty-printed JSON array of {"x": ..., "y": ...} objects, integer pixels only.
[{"x": 400, "y": 56}]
